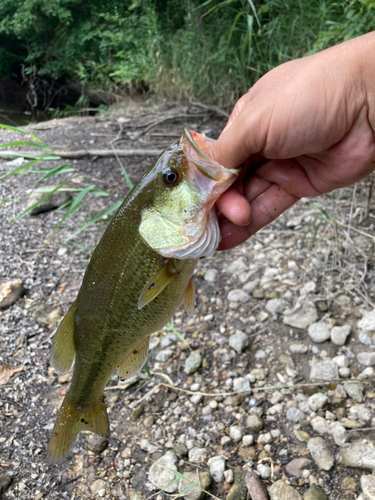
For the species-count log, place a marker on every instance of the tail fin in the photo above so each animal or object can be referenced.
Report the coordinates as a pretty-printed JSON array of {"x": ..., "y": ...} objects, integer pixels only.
[{"x": 70, "y": 421}]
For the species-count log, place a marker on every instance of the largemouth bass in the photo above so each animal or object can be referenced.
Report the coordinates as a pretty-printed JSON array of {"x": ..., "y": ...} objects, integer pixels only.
[{"x": 137, "y": 277}]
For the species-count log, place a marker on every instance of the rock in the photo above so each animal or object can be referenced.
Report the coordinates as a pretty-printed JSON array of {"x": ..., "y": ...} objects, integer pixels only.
[
  {"x": 364, "y": 339},
  {"x": 137, "y": 412},
  {"x": 298, "y": 348},
  {"x": 239, "y": 490},
  {"x": 319, "y": 332},
  {"x": 196, "y": 399},
  {"x": 198, "y": 455},
  {"x": 136, "y": 495},
  {"x": 54, "y": 201},
  {"x": 193, "y": 484},
  {"x": 360, "y": 412},
  {"x": 247, "y": 440},
  {"x": 10, "y": 292},
  {"x": 354, "y": 390},
  {"x": 235, "y": 433},
  {"x": 193, "y": 362},
  {"x": 161, "y": 473},
  {"x": 241, "y": 385},
  {"x": 366, "y": 373},
  {"x": 238, "y": 295},
  {"x": 304, "y": 316},
  {"x": 283, "y": 491},
  {"x": 164, "y": 355},
  {"x": 97, "y": 487},
  {"x": 211, "y": 275},
  {"x": 339, "y": 434},
  {"x": 324, "y": 370},
  {"x": 296, "y": 466},
  {"x": 264, "y": 471},
  {"x": 320, "y": 425},
  {"x": 366, "y": 358},
  {"x": 314, "y": 493},
  {"x": 250, "y": 286},
  {"x": 47, "y": 314},
  {"x": 320, "y": 453},
  {"x": 275, "y": 306},
  {"x": 302, "y": 436},
  {"x": 341, "y": 361},
  {"x": 5, "y": 482},
  {"x": 368, "y": 487},
  {"x": 149, "y": 421},
  {"x": 180, "y": 450},
  {"x": 367, "y": 322},
  {"x": 228, "y": 476},
  {"x": 317, "y": 401},
  {"x": 339, "y": 334},
  {"x": 145, "y": 445},
  {"x": 217, "y": 467},
  {"x": 239, "y": 341},
  {"x": 96, "y": 443},
  {"x": 254, "y": 423},
  {"x": 294, "y": 414},
  {"x": 308, "y": 287},
  {"x": 238, "y": 266},
  {"x": 359, "y": 454}
]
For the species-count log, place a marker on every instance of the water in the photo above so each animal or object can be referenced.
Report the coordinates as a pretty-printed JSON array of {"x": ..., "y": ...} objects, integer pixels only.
[{"x": 10, "y": 115}]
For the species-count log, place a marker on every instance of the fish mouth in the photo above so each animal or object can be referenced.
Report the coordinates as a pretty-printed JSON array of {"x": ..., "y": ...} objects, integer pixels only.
[{"x": 195, "y": 147}]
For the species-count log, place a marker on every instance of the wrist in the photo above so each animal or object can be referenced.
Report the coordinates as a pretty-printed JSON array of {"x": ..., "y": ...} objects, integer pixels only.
[{"x": 366, "y": 55}]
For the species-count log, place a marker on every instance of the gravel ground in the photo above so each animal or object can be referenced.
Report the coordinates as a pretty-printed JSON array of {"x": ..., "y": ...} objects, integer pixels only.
[{"x": 276, "y": 373}]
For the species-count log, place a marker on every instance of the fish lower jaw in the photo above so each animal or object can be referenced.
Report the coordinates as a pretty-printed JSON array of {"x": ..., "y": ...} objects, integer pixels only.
[{"x": 203, "y": 245}]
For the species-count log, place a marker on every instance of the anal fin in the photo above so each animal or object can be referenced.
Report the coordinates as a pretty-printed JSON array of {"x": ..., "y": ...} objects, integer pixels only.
[
  {"x": 157, "y": 284},
  {"x": 63, "y": 350},
  {"x": 134, "y": 361}
]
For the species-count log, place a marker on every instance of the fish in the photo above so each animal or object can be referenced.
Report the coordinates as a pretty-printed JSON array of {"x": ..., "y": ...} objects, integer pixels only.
[{"x": 137, "y": 277}]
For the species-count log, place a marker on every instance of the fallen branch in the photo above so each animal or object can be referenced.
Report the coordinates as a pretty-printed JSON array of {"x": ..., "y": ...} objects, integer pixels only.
[{"x": 5, "y": 155}]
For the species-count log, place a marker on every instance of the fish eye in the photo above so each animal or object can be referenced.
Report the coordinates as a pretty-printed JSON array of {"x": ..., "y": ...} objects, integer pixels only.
[{"x": 171, "y": 177}]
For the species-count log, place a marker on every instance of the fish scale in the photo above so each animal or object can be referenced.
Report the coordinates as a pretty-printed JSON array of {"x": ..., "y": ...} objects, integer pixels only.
[{"x": 130, "y": 289}]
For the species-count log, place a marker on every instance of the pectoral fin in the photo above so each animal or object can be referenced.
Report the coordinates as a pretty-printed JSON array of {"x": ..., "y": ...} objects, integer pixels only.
[
  {"x": 189, "y": 298},
  {"x": 157, "y": 284},
  {"x": 63, "y": 350},
  {"x": 134, "y": 361}
]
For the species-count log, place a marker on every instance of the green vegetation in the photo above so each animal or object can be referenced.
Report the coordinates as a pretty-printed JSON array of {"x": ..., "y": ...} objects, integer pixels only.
[{"x": 212, "y": 50}]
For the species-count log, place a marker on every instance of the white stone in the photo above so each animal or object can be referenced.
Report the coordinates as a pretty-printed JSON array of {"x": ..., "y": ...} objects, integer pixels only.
[
  {"x": 238, "y": 295},
  {"x": 303, "y": 315},
  {"x": 164, "y": 355},
  {"x": 324, "y": 370},
  {"x": 161, "y": 473},
  {"x": 235, "y": 432},
  {"x": 319, "y": 332},
  {"x": 217, "y": 467},
  {"x": 298, "y": 348},
  {"x": 239, "y": 341},
  {"x": 317, "y": 401},
  {"x": 210, "y": 275},
  {"x": 320, "y": 425},
  {"x": 241, "y": 385},
  {"x": 228, "y": 475},
  {"x": 264, "y": 471},
  {"x": 367, "y": 322},
  {"x": 366, "y": 358},
  {"x": 275, "y": 306},
  {"x": 247, "y": 440},
  {"x": 339, "y": 334},
  {"x": 339, "y": 434},
  {"x": 341, "y": 361},
  {"x": 198, "y": 455}
]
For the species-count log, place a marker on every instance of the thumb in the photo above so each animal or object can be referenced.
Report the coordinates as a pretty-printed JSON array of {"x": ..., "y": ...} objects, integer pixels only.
[{"x": 246, "y": 135}]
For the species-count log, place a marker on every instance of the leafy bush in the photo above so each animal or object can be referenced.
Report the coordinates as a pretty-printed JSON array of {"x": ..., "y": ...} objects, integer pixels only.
[{"x": 213, "y": 50}]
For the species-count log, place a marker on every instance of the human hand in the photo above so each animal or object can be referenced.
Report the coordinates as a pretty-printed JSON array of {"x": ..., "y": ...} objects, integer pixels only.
[{"x": 307, "y": 128}]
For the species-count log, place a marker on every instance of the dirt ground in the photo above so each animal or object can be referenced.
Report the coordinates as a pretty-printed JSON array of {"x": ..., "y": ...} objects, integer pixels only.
[{"x": 319, "y": 256}]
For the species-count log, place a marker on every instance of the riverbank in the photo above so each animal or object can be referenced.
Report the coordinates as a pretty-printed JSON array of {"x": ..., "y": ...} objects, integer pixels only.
[{"x": 282, "y": 317}]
